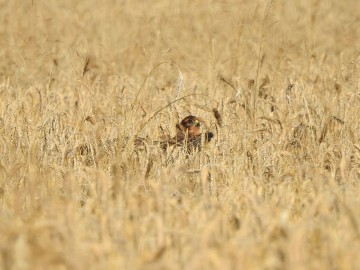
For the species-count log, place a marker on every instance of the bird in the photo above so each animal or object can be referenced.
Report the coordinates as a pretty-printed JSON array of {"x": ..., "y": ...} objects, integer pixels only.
[{"x": 188, "y": 135}]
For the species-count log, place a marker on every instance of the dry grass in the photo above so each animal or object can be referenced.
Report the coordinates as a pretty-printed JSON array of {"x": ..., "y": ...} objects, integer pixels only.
[{"x": 278, "y": 85}]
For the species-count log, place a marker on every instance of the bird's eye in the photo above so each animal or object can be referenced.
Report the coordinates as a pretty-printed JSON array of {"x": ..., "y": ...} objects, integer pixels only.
[{"x": 190, "y": 121}]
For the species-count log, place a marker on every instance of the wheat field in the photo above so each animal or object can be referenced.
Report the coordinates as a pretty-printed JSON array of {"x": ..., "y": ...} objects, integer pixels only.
[{"x": 276, "y": 82}]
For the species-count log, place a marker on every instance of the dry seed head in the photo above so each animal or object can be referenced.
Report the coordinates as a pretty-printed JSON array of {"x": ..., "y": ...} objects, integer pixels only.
[
  {"x": 217, "y": 117},
  {"x": 180, "y": 84}
]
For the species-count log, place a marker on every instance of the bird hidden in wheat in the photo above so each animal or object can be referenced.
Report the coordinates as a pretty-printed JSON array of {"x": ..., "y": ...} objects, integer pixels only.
[{"x": 188, "y": 134}]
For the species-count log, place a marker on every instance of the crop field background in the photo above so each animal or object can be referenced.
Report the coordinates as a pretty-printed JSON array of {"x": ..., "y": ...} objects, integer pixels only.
[{"x": 276, "y": 82}]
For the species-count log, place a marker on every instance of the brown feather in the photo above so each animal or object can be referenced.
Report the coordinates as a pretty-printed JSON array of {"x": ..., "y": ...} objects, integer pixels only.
[{"x": 187, "y": 134}]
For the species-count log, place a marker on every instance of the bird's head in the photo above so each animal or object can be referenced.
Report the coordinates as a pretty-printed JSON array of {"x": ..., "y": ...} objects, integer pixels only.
[{"x": 191, "y": 125}]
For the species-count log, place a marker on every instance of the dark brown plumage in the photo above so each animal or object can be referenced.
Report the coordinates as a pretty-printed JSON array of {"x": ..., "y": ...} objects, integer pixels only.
[{"x": 188, "y": 134}]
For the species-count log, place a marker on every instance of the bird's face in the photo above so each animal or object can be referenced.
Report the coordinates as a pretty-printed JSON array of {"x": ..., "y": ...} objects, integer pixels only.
[{"x": 191, "y": 125}]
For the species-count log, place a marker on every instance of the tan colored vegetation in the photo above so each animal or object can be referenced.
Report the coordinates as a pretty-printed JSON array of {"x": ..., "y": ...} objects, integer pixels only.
[{"x": 278, "y": 85}]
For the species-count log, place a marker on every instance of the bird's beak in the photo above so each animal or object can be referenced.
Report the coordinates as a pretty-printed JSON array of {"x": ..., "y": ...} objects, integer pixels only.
[{"x": 197, "y": 123}]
